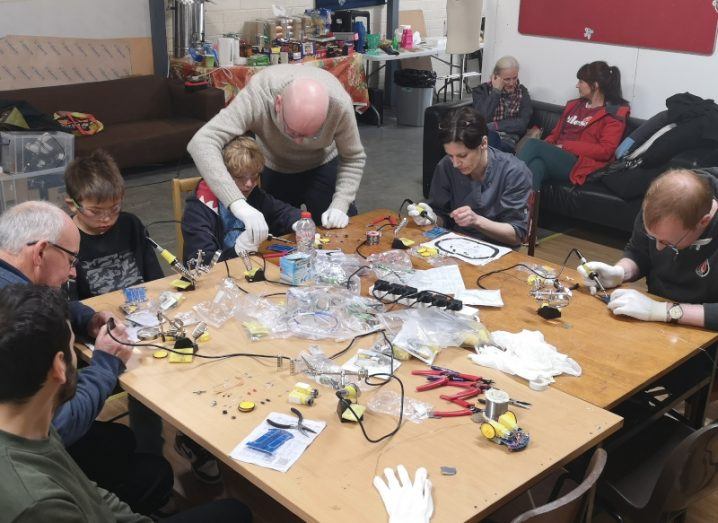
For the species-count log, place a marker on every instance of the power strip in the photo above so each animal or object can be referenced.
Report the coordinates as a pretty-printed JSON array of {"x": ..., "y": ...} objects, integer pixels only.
[{"x": 407, "y": 295}]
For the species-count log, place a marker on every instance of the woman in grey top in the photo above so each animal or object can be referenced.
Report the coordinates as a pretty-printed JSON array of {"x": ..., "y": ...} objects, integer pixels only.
[{"x": 476, "y": 189}]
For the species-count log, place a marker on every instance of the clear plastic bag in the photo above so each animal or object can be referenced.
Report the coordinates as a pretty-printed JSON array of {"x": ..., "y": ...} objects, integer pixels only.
[
  {"x": 391, "y": 265},
  {"x": 330, "y": 313},
  {"x": 222, "y": 307},
  {"x": 387, "y": 401},
  {"x": 423, "y": 333},
  {"x": 262, "y": 318},
  {"x": 335, "y": 269}
]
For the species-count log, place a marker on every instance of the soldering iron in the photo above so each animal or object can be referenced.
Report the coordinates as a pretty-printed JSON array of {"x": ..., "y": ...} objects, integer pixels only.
[
  {"x": 594, "y": 276},
  {"x": 172, "y": 260}
]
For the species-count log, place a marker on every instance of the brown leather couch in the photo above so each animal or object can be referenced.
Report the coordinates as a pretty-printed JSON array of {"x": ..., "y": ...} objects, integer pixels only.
[{"x": 147, "y": 119}]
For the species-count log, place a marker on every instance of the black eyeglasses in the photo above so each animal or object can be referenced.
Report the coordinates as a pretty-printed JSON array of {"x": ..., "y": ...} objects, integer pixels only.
[
  {"x": 672, "y": 246},
  {"x": 73, "y": 255}
]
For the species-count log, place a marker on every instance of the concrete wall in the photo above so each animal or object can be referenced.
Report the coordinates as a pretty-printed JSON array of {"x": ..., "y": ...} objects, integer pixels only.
[{"x": 549, "y": 65}]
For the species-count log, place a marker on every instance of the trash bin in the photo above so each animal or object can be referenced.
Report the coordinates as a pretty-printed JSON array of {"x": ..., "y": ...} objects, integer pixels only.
[{"x": 415, "y": 91}]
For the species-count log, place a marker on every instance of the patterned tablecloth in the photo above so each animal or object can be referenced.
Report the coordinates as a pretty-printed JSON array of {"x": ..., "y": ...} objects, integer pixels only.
[{"x": 349, "y": 70}]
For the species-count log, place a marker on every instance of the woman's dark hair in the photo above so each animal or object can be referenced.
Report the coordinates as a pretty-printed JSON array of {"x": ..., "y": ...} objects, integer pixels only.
[
  {"x": 608, "y": 78},
  {"x": 463, "y": 125}
]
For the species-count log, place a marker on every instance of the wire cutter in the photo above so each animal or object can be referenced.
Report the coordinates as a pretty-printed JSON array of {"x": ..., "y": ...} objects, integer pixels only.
[
  {"x": 460, "y": 399},
  {"x": 389, "y": 218},
  {"x": 440, "y": 377},
  {"x": 300, "y": 426}
]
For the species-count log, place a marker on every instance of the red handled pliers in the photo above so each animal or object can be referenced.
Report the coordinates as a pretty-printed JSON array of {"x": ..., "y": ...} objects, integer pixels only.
[{"x": 460, "y": 399}]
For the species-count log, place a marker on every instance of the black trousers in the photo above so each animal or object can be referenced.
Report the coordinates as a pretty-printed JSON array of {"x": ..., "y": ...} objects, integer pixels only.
[
  {"x": 107, "y": 456},
  {"x": 314, "y": 188},
  {"x": 221, "y": 511}
]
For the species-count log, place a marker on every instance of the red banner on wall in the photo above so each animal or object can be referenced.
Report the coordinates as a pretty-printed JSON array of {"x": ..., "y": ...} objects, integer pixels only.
[{"x": 673, "y": 25}]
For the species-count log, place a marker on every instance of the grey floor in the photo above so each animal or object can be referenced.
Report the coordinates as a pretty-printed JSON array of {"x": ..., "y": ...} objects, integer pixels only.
[{"x": 392, "y": 173}]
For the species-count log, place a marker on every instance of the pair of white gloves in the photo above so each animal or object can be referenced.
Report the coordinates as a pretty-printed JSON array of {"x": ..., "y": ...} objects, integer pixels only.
[
  {"x": 422, "y": 213},
  {"x": 256, "y": 229},
  {"x": 625, "y": 302},
  {"x": 406, "y": 502}
]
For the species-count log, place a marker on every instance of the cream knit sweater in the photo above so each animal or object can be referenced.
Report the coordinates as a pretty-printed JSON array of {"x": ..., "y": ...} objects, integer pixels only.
[{"x": 253, "y": 110}]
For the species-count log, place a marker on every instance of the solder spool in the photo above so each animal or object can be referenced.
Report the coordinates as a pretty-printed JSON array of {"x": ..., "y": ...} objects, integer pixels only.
[
  {"x": 373, "y": 237},
  {"x": 497, "y": 402}
]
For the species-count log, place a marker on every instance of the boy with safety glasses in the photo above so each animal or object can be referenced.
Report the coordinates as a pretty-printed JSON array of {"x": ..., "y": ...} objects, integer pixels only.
[{"x": 114, "y": 253}]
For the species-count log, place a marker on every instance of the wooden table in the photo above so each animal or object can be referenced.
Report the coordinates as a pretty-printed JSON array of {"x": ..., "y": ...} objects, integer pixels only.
[
  {"x": 332, "y": 479},
  {"x": 619, "y": 356}
]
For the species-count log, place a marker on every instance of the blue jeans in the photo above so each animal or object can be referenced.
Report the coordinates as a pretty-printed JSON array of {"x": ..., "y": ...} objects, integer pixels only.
[
  {"x": 546, "y": 162},
  {"x": 314, "y": 188}
]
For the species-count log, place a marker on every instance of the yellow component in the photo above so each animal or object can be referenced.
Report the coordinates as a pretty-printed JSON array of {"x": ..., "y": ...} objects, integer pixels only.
[
  {"x": 508, "y": 420},
  {"x": 250, "y": 274},
  {"x": 407, "y": 242},
  {"x": 256, "y": 329},
  {"x": 299, "y": 397},
  {"x": 160, "y": 354},
  {"x": 246, "y": 406},
  {"x": 488, "y": 431},
  {"x": 181, "y": 284},
  {"x": 204, "y": 338},
  {"x": 184, "y": 356},
  {"x": 168, "y": 256},
  {"x": 532, "y": 279},
  {"x": 427, "y": 252},
  {"x": 501, "y": 431},
  {"x": 400, "y": 354},
  {"x": 324, "y": 240},
  {"x": 349, "y": 415}
]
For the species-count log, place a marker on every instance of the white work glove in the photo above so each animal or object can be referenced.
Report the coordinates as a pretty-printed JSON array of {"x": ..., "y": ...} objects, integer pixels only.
[
  {"x": 610, "y": 275},
  {"x": 629, "y": 302},
  {"x": 243, "y": 243},
  {"x": 415, "y": 211},
  {"x": 254, "y": 223},
  {"x": 406, "y": 502},
  {"x": 334, "y": 219}
]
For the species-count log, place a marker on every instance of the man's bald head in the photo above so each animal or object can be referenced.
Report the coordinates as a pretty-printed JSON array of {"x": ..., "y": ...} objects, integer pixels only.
[
  {"x": 304, "y": 104},
  {"x": 678, "y": 193}
]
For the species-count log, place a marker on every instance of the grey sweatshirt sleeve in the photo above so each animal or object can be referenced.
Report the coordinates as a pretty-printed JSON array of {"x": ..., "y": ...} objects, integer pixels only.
[
  {"x": 207, "y": 144},
  {"x": 351, "y": 160},
  {"x": 518, "y": 125}
]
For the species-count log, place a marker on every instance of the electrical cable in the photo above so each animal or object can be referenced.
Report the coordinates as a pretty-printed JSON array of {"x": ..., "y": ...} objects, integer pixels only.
[
  {"x": 111, "y": 326},
  {"x": 551, "y": 278},
  {"x": 494, "y": 250},
  {"x": 357, "y": 249},
  {"x": 226, "y": 265},
  {"x": 349, "y": 279},
  {"x": 388, "y": 377}
]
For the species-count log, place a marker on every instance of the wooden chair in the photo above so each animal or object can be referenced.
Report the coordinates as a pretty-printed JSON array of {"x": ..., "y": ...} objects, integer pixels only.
[
  {"x": 573, "y": 506},
  {"x": 533, "y": 211},
  {"x": 179, "y": 188}
]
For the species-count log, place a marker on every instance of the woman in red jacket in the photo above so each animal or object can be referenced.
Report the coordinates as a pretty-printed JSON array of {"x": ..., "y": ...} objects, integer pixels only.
[{"x": 586, "y": 136}]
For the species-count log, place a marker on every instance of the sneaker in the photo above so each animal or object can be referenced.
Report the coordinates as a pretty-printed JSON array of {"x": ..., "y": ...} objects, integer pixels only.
[{"x": 204, "y": 466}]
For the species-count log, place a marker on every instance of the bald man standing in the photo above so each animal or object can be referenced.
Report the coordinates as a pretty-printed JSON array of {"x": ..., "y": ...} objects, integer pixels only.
[
  {"x": 304, "y": 121},
  {"x": 675, "y": 246}
]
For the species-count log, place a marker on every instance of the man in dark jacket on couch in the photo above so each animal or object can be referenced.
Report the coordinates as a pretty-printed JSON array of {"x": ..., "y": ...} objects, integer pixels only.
[{"x": 505, "y": 104}]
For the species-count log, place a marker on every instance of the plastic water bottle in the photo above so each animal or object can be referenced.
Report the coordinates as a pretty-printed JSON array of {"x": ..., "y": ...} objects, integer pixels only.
[{"x": 305, "y": 234}]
